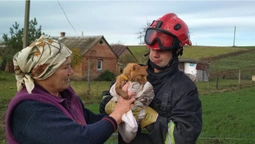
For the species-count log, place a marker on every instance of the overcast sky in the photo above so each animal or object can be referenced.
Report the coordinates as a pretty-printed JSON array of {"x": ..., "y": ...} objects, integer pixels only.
[{"x": 210, "y": 22}]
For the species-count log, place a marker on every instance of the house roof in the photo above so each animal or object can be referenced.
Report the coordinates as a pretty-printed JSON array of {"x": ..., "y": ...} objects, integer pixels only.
[
  {"x": 191, "y": 60},
  {"x": 188, "y": 60},
  {"x": 201, "y": 65},
  {"x": 84, "y": 43},
  {"x": 118, "y": 49}
]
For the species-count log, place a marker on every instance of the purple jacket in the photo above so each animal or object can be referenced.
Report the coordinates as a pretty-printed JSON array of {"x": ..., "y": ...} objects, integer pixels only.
[{"x": 68, "y": 107}]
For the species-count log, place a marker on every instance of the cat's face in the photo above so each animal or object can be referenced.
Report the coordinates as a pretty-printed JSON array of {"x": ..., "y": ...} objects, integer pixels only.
[{"x": 139, "y": 74}]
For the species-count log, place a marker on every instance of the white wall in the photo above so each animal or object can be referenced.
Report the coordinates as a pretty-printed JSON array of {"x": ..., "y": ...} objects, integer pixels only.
[{"x": 190, "y": 68}]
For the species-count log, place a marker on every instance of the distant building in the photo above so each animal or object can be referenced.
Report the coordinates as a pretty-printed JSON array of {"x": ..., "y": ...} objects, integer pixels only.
[
  {"x": 98, "y": 55},
  {"x": 124, "y": 55},
  {"x": 195, "y": 69}
]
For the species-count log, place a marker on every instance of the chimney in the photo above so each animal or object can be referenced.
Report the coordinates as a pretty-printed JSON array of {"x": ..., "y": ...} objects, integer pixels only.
[{"x": 62, "y": 34}]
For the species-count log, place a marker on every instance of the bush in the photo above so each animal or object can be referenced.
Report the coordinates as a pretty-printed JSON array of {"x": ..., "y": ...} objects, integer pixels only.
[{"x": 106, "y": 76}]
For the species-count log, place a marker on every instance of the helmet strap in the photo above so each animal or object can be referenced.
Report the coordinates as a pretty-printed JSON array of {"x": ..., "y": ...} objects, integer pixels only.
[{"x": 178, "y": 52}]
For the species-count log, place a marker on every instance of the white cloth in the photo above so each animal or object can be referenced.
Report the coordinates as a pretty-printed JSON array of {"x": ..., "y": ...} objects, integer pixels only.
[
  {"x": 129, "y": 127},
  {"x": 144, "y": 96}
]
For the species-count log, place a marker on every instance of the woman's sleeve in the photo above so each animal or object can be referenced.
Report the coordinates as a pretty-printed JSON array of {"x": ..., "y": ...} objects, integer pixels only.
[
  {"x": 36, "y": 122},
  {"x": 90, "y": 116}
]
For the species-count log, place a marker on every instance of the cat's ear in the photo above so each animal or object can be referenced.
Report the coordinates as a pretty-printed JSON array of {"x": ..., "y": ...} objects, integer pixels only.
[
  {"x": 145, "y": 67},
  {"x": 135, "y": 67}
]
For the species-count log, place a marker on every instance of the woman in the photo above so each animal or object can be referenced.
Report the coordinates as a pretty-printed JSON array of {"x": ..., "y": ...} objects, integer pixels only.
[{"x": 46, "y": 109}]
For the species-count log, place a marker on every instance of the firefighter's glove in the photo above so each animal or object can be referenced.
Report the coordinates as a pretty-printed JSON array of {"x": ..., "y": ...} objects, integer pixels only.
[
  {"x": 110, "y": 106},
  {"x": 145, "y": 116}
]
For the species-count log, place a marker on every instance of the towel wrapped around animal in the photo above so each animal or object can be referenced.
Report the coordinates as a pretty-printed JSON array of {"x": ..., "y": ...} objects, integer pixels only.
[{"x": 144, "y": 96}]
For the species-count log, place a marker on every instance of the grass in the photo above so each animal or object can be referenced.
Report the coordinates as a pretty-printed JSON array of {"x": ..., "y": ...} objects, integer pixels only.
[
  {"x": 194, "y": 52},
  {"x": 199, "y": 52},
  {"x": 224, "y": 85},
  {"x": 90, "y": 94},
  {"x": 228, "y": 118},
  {"x": 139, "y": 52},
  {"x": 7, "y": 91},
  {"x": 236, "y": 62}
]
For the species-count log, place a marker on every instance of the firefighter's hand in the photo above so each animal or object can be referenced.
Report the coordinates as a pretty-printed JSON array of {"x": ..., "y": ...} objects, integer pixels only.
[{"x": 145, "y": 116}]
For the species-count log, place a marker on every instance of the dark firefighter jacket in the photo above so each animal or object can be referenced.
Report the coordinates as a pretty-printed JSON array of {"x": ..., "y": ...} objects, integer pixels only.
[{"x": 176, "y": 100}]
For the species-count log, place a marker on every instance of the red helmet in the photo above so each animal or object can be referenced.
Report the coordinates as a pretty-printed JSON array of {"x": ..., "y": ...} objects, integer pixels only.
[{"x": 167, "y": 33}]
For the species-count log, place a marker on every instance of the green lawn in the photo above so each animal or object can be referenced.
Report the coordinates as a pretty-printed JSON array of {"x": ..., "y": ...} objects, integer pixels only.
[
  {"x": 228, "y": 118},
  {"x": 236, "y": 62},
  {"x": 194, "y": 52},
  {"x": 198, "y": 52}
]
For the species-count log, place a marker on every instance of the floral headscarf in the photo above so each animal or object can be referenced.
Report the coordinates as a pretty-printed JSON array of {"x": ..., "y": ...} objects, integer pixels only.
[{"x": 38, "y": 61}]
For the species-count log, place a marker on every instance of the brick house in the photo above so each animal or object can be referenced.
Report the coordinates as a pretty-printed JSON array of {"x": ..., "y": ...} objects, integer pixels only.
[
  {"x": 124, "y": 55},
  {"x": 97, "y": 55}
]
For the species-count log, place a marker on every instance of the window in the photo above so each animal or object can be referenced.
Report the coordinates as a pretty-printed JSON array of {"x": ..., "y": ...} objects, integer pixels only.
[{"x": 99, "y": 64}]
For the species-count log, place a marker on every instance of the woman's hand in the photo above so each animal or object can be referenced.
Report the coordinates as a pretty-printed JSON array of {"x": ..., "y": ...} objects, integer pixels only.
[{"x": 122, "y": 106}]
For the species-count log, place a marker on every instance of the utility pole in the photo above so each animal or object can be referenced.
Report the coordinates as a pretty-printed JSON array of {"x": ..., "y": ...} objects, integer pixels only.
[
  {"x": 26, "y": 23},
  {"x": 89, "y": 70},
  {"x": 234, "y": 36}
]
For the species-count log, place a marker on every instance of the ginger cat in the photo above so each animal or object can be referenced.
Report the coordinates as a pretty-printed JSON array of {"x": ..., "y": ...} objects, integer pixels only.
[{"x": 133, "y": 72}]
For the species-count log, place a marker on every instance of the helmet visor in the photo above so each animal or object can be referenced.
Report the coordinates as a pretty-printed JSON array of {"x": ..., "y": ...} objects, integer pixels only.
[{"x": 165, "y": 40}]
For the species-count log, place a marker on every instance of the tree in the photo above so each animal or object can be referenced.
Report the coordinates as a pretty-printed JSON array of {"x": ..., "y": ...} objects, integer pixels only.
[
  {"x": 77, "y": 57},
  {"x": 140, "y": 34},
  {"x": 13, "y": 44},
  {"x": 34, "y": 33}
]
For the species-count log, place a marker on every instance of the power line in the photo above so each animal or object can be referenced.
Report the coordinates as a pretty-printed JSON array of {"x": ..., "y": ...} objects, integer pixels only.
[{"x": 67, "y": 17}]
